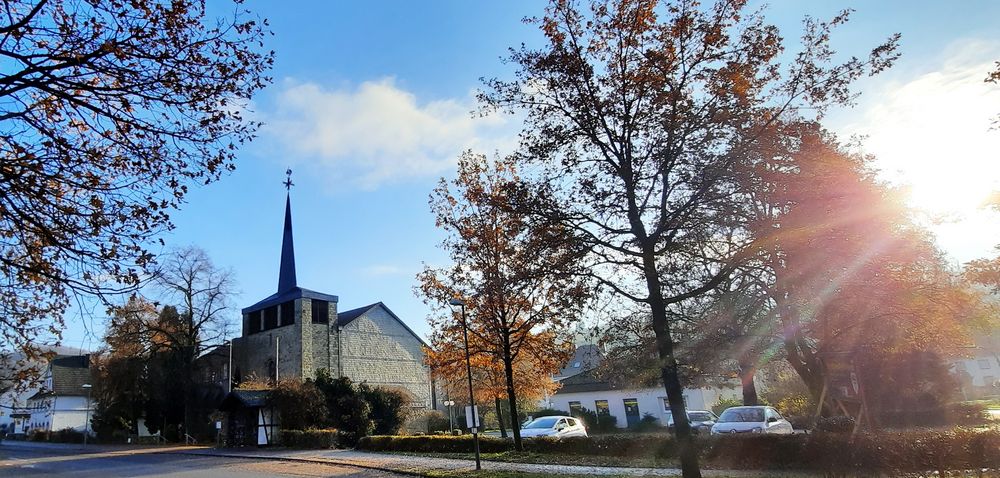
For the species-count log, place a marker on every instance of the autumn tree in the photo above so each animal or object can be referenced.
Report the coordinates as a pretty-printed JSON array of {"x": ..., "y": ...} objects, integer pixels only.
[
  {"x": 636, "y": 112},
  {"x": 109, "y": 112},
  {"x": 849, "y": 271},
  {"x": 518, "y": 276},
  {"x": 447, "y": 361}
]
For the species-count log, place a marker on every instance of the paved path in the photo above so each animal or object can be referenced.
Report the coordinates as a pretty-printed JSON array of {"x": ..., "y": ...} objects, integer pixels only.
[
  {"x": 20, "y": 459},
  {"x": 419, "y": 465}
]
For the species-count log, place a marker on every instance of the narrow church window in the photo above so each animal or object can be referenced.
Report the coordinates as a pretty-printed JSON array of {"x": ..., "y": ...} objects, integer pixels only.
[
  {"x": 288, "y": 313},
  {"x": 253, "y": 319},
  {"x": 270, "y": 317},
  {"x": 320, "y": 311}
]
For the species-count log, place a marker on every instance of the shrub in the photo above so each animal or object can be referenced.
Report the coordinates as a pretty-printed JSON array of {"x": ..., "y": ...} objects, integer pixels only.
[
  {"x": 437, "y": 422},
  {"x": 595, "y": 422},
  {"x": 349, "y": 411},
  {"x": 548, "y": 412},
  {"x": 300, "y": 404},
  {"x": 389, "y": 408},
  {"x": 648, "y": 423},
  {"x": 968, "y": 413},
  {"x": 725, "y": 403},
  {"x": 837, "y": 424},
  {"x": 312, "y": 438},
  {"x": 434, "y": 444}
]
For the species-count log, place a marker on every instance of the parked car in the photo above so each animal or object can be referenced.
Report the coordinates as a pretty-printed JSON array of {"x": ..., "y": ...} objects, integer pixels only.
[
  {"x": 751, "y": 420},
  {"x": 700, "y": 420},
  {"x": 555, "y": 426}
]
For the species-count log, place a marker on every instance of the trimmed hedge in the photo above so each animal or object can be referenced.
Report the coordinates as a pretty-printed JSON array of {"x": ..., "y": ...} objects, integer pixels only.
[
  {"x": 889, "y": 453},
  {"x": 312, "y": 438}
]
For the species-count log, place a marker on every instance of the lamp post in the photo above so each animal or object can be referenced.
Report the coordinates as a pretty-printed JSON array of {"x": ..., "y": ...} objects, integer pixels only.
[
  {"x": 230, "y": 368},
  {"x": 468, "y": 370},
  {"x": 86, "y": 423},
  {"x": 451, "y": 418}
]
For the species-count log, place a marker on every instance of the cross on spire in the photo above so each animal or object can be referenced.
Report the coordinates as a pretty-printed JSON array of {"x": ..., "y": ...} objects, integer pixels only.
[{"x": 288, "y": 180}]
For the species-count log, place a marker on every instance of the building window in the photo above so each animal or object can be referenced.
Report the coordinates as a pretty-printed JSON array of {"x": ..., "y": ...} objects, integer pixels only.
[
  {"x": 601, "y": 406},
  {"x": 288, "y": 313},
  {"x": 270, "y": 317},
  {"x": 984, "y": 364},
  {"x": 320, "y": 311},
  {"x": 575, "y": 408},
  {"x": 576, "y": 364},
  {"x": 253, "y": 321}
]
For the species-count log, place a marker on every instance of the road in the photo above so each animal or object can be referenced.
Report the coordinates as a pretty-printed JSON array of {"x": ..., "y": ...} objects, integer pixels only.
[{"x": 26, "y": 460}]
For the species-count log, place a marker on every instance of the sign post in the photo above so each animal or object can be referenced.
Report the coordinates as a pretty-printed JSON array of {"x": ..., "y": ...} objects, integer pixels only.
[{"x": 472, "y": 418}]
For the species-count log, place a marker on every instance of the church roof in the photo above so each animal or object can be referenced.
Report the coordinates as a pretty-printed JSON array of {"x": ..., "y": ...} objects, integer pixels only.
[
  {"x": 288, "y": 288},
  {"x": 295, "y": 293},
  {"x": 348, "y": 316}
]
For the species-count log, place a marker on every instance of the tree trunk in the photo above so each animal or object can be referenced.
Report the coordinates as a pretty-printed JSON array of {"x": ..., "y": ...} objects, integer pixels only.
[
  {"x": 669, "y": 369},
  {"x": 503, "y": 429},
  {"x": 748, "y": 369},
  {"x": 508, "y": 370}
]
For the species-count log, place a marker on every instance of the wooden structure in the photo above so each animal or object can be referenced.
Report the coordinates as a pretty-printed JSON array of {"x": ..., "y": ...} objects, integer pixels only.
[
  {"x": 843, "y": 390},
  {"x": 250, "y": 420}
]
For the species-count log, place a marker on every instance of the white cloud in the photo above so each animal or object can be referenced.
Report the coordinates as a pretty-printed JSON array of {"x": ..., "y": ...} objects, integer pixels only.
[
  {"x": 931, "y": 131},
  {"x": 379, "y": 132}
]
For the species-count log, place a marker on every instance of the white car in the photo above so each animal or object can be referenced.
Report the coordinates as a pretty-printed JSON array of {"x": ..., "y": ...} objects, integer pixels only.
[
  {"x": 556, "y": 427},
  {"x": 751, "y": 420}
]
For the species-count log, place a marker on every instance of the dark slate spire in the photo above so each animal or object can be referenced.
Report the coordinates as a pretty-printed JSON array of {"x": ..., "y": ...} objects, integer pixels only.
[{"x": 286, "y": 272}]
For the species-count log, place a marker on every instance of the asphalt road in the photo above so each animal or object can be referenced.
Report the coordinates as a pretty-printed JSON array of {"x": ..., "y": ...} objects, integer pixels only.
[{"x": 27, "y": 461}]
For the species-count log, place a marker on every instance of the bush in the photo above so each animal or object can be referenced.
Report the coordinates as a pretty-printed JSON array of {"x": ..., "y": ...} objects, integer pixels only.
[
  {"x": 66, "y": 435},
  {"x": 837, "y": 424},
  {"x": 725, "y": 403},
  {"x": 596, "y": 422},
  {"x": 968, "y": 413},
  {"x": 548, "y": 412},
  {"x": 389, "y": 408},
  {"x": 648, "y": 423},
  {"x": 300, "y": 404},
  {"x": 437, "y": 422},
  {"x": 434, "y": 444},
  {"x": 312, "y": 438}
]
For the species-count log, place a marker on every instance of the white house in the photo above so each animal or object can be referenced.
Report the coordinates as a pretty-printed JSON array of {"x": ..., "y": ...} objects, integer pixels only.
[
  {"x": 582, "y": 389},
  {"x": 62, "y": 401},
  {"x": 982, "y": 368},
  {"x": 628, "y": 405}
]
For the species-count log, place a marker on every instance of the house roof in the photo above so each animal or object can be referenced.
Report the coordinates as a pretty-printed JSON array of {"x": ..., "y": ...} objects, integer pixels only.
[
  {"x": 69, "y": 374},
  {"x": 586, "y": 357},
  {"x": 346, "y": 317},
  {"x": 244, "y": 399},
  {"x": 585, "y": 381}
]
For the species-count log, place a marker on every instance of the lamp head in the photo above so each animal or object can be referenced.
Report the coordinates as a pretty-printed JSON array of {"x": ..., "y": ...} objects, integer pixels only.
[{"x": 457, "y": 302}]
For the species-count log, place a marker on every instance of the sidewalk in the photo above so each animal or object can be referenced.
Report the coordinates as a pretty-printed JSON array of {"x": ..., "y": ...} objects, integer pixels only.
[{"x": 419, "y": 465}]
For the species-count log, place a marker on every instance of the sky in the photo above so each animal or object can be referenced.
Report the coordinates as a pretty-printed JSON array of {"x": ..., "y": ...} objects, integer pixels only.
[{"x": 372, "y": 102}]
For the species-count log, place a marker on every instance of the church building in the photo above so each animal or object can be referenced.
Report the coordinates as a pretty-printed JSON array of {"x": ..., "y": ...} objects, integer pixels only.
[{"x": 295, "y": 332}]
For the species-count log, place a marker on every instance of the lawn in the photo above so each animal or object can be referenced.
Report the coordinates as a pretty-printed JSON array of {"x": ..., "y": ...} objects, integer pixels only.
[{"x": 554, "y": 459}]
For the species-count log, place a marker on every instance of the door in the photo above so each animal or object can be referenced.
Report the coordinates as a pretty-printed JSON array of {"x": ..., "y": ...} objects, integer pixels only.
[{"x": 631, "y": 411}]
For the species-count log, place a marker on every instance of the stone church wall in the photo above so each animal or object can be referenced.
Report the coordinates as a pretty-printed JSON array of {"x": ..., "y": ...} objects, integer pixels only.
[{"x": 380, "y": 351}]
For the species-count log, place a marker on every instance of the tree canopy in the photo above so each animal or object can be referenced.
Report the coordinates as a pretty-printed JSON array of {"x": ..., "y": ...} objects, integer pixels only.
[{"x": 109, "y": 112}]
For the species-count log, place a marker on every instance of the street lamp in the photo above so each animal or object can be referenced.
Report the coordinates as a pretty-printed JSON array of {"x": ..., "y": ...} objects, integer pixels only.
[
  {"x": 451, "y": 418},
  {"x": 86, "y": 423},
  {"x": 468, "y": 370}
]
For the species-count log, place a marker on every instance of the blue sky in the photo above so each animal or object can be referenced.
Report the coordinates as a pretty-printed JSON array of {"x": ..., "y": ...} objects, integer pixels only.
[{"x": 371, "y": 103}]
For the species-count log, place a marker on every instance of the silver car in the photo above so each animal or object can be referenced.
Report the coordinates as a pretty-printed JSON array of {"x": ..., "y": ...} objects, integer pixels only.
[{"x": 751, "y": 420}]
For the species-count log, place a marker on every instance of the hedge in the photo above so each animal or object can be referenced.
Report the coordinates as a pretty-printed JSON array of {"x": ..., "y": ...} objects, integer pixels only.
[
  {"x": 889, "y": 453},
  {"x": 312, "y": 438}
]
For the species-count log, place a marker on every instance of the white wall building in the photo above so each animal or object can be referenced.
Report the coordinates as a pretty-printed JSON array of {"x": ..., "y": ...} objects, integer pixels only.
[
  {"x": 981, "y": 368},
  {"x": 63, "y": 400},
  {"x": 581, "y": 389}
]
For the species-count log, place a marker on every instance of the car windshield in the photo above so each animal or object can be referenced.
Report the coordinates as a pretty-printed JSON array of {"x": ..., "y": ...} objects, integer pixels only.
[
  {"x": 545, "y": 422},
  {"x": 700, "y": 417},
  {"x": 742, "y": 415}
]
